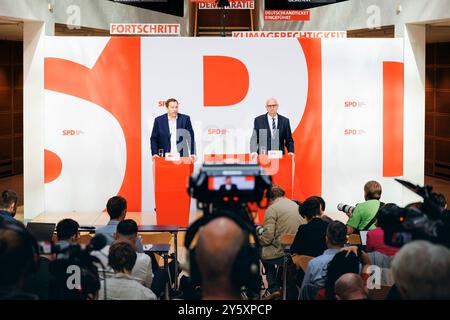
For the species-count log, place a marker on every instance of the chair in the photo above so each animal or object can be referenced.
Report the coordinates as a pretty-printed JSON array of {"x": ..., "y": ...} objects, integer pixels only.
[
  {"x": 354, "y": 239},
  {"x": 379, "y": 294},
  {"x": 85, "y": 239},
  {"x": 156, "y": 238},
  {"x": 301, "y": 261}
]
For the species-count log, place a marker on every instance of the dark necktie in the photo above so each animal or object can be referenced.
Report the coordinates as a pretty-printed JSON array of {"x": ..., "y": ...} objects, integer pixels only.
[{"x": 273, "y": 124}]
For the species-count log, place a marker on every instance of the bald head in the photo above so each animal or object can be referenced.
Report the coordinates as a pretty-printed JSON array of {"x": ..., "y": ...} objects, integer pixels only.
[
  {"x": 350, "y": 286},
  {"x": 272, "y": 107},
  {"x": 218, "y": 244}
]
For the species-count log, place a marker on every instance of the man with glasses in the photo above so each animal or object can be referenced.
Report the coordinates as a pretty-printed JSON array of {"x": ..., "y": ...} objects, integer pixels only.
[{"x": 271, "y": 131}]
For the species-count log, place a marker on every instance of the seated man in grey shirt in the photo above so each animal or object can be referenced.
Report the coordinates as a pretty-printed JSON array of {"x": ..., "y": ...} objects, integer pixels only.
[
  {"x": 117, "y": 211},
  {"x": 316, "y": 273}
]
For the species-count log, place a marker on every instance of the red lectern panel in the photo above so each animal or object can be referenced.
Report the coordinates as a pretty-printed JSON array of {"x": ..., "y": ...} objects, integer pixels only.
[
  {"x": 281, "y": 171},
  {"x": 171, "y": 198}
]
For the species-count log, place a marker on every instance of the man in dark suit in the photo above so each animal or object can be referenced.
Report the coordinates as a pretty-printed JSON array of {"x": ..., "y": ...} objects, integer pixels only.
[
  {"x": 271, "y": 131},
  {"x": 172, "y": 132},
  {"x": 228, "y": 186}
]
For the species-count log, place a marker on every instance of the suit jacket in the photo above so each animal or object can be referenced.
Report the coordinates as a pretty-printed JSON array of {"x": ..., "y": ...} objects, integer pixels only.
[
  {"x": 233, "y": 188},
  {"x": 160, "y": 138},
  {"x": 262, "y": 135}
]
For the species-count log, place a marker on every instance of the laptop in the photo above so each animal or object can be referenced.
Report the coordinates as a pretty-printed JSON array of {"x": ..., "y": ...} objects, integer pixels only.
[{"x": 41, "y": 231}]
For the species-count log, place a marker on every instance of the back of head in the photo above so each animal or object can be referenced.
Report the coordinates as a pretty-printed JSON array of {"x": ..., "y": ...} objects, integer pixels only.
[
  {"x": 8, "y": 198},
  {"x": 421, "y": 270},
  {"x": 275, "y": 192},
  {"x": 17, "y": 255},
  {"x": 122, "y": 256},
  {"x": 372, "y": 190},
  {"x": 127, "y": 228},
  {"x": 442, "y": 201},
  {"x": 217, "y": 248},
  {"x": 66, "y": 229},
  {"x": 310, "y": 208},
  {"x": 336, "y": 233},
  {"x": 320, "y": 200},
  {"x": 116, "y": 206},
  {"x": 338, "y": 266},
  {"x": 350, "y": 286}
]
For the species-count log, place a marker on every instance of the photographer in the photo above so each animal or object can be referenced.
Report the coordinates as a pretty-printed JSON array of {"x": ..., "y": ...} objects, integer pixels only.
[
  {"x": 362, "y": 217},
  {"x": 281, "y": 218}
]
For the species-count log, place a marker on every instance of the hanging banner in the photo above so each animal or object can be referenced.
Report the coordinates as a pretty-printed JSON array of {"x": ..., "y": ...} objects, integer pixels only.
[{"x": 290, "y": 34}]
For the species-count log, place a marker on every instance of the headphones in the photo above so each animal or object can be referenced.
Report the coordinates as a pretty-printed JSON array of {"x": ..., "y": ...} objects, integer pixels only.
[
  {"x": 245, "y": 269},
  {"x": 30, "y": 242}
]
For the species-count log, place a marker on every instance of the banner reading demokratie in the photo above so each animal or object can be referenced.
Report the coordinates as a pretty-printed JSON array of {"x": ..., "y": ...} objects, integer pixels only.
[
  {"x": 241, "y": 4},
  {"x": 290, "y": 34},
  {"x": 144, "y": 28}
]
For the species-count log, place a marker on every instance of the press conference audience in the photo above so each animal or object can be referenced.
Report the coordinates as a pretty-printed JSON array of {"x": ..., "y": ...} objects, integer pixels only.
[
  {"x": 351, "y": 286},
  {"x": 117, "y": 211},
  {"x": 8, "y": 204},
  {"x": 281, "y": 218},
  {"x": 362, "y": 215},
  {"x": 218, "y": 245},
  {"x": 18, "y": 259},
  {"x": 315, "y": 276},
  {"x": 422, "y": 271},
  {"x": 122, "y": 286},
  {"x": 68, "y": 230}
]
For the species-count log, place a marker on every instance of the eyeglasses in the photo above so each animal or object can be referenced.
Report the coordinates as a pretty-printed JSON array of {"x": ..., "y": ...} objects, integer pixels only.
[{"x": 271, "y": 105}]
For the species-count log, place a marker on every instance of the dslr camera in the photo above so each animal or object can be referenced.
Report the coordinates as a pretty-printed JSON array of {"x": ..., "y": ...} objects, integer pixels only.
[{"x": 429, "y": 222}]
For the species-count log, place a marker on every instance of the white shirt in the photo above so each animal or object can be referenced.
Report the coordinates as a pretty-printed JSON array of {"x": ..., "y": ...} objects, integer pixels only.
[
  {"x": 142, "y": 270},
  {"x": 173, "y": 134},
  {"x": 123, "y": 287},
  {"x": 269, "y": 119}
]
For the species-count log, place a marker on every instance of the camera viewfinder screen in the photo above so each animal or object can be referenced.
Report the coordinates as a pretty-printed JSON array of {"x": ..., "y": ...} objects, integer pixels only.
[{"x": 233, "y": 183}]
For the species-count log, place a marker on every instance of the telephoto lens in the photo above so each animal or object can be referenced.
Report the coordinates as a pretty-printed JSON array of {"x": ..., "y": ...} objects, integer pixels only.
[{"x": 347, "y": 209}]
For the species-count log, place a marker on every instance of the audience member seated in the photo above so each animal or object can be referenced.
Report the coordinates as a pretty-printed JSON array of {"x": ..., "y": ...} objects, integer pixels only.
[
  {"x": 117, "y": 211},
  {"x": 281, "y": 218},
  {"x": 351, "y": 286},
  {"x": 218, "y": 245},
  {"x": 8, "y": 205},
  {"x": 150, "y": 276},
  {"x": 375, "y": 237},
  {"x": 39, "y": 284},
  {"x": 315, "y": 276},
  {"x": 364, "y": 213},
  {"x": 310, "y": 237},
  {"x": 122, "y": 286},
  {"x": 422, "y": 271},
  {"x": 18, "y": 259},
  {"x": 349, "y": 260}
]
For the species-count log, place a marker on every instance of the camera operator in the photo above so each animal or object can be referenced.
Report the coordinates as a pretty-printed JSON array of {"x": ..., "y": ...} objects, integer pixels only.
[
  {"x": 363, "y": 216},
  {"x": 219, "y": 243},
  {"x": 281, "y": 218}
]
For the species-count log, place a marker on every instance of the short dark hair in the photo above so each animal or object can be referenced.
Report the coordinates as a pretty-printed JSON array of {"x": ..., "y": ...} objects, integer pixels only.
[
  {"x": 127, "y": 227},
  {"x": 310, "y": 208},
  {"x": 122, "y": 256},
  {"x": 8, "y": 198},
  {"x": 16, "y": 254},
  {"x": 275, "y": 192},
  {"x": 320, "y": 200},
  {"x": 171, "y": 100},
  {"x": 373, "y": 190},
  {"x": 116, "y": 206},
  {"x": 66, "y": 228},
  {"x": 337, "y": 233}
]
